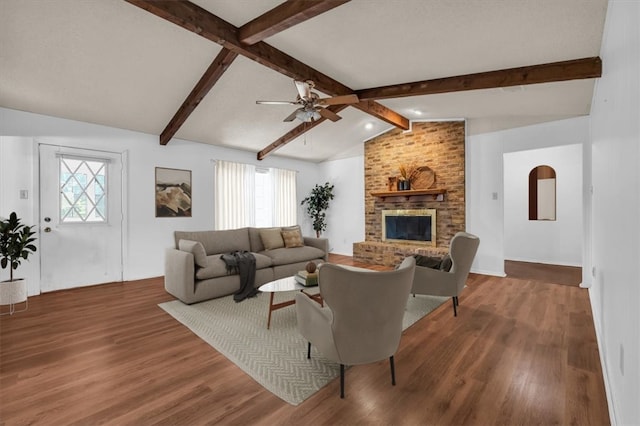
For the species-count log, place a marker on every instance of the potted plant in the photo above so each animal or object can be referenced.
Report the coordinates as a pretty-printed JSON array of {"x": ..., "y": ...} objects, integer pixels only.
[
  {"x": 16, "y": 244},
  {"x": 317, "y": 204}
]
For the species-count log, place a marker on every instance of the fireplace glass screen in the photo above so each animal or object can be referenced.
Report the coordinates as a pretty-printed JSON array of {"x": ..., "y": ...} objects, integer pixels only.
[{"x": 415, "y": 226}]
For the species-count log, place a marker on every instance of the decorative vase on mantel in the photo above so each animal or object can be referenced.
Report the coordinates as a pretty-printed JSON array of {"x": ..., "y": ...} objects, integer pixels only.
[{"x": 404, "y": 185}]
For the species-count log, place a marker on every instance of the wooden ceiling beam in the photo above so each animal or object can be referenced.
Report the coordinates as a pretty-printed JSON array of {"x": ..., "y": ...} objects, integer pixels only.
[
  {"x": 277, "y": 19},
  {"x": 534, "y": 74},
  {"x": 219, "y": 65},
  {"x": 383, "y": 113},
  {"x": 283, "y": 16},
  {"x": 200, "y": 21},
  {"x": 295, "y": 132}
]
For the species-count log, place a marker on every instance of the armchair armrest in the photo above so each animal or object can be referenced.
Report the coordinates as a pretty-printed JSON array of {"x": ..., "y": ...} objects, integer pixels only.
[
  {"x": 320, "y": 243},
  {"x": 434, "y": 282},
  {"x": 179, "y": 274},
  {"x": 314, "y": 323}
]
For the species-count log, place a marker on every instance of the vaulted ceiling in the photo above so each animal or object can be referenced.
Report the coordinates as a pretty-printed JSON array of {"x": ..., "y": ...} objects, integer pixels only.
[{"x": 132, "y": 64}]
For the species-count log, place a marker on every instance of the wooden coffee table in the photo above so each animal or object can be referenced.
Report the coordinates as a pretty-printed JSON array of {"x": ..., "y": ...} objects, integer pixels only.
[{"x": 286, "y": 284}]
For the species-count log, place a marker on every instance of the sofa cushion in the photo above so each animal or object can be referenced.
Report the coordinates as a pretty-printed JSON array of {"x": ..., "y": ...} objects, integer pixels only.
[
  {"x": 271, "y": 238},
  {"x": 255, "y": 240},
  {"x": 292, "y": 238},
  {"x": 217, "y": 268},
  {"x": 197, "y": 249},
  {"x": 218, "y": 242},
  {"x": 285, "y": 256}
]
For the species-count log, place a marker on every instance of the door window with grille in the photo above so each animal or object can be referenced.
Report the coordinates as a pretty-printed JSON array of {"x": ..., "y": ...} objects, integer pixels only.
[{"x": 83, "y": 190}]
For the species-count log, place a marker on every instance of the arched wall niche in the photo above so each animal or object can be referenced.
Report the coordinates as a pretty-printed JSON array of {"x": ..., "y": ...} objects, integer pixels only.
[{"x": 542, "y": 193}]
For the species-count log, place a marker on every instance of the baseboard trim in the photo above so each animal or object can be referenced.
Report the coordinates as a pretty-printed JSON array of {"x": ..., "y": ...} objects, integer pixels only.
[
  {"x": 603, "y": 363},
  {"x": 488, "y": 272}
]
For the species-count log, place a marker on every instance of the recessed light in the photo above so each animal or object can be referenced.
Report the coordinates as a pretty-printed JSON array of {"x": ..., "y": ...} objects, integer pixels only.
[
  {"x": 368, "y": 126},
  {"x": 417, "y": 112}
]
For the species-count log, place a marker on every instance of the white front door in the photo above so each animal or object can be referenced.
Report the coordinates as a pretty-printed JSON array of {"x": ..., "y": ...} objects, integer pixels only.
[{"x": 80, "y": 217}]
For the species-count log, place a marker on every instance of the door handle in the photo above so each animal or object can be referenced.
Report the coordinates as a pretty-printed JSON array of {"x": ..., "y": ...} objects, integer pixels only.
[{"x": 47, "y": 229}]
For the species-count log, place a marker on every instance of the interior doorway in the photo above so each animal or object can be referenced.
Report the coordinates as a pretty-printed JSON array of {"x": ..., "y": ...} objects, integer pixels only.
[{"x": 546, "y": 250}]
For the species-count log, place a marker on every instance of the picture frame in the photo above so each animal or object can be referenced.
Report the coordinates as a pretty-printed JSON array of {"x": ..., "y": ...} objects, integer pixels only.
[{"x": 173, "y": 192}]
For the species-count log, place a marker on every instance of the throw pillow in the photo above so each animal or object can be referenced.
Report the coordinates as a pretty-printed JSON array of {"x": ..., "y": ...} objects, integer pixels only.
[
  {"x": 271, "y": 238},
  {"x": 197, "y": 249},
  {"x": 427, "y": 261},
  {"x": 292, "y": 228},
  {"x": 292, "y": 239}
]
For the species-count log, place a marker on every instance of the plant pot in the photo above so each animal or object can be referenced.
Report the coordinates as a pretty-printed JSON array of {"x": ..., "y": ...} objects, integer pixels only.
[{"x": 12, "y": 293}]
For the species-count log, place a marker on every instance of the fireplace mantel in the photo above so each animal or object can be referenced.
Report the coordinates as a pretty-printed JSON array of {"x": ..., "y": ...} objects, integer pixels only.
[{"x": 436, "y": 194}]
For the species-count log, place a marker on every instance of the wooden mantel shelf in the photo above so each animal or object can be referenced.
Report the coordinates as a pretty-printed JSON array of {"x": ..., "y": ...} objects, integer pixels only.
[{"x": 436, "y": 194}]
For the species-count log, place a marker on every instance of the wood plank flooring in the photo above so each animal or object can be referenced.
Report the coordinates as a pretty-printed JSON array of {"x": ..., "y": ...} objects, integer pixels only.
[
  {"x": 556, "y": 274},
  {"x": 519, "y": 352}
]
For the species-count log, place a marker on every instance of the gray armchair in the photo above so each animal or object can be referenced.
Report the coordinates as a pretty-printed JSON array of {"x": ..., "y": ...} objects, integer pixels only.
[
  {"x": 435, "y": 282},
  {"x": 361, "y": 321}
]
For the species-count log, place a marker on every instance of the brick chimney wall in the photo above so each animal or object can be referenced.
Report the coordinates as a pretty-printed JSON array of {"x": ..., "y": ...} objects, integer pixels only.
[{"x": 438, "y": 145}]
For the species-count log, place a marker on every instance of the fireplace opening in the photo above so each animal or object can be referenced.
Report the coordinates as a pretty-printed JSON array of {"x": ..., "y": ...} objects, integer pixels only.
[{"x": 415, "y": 226}]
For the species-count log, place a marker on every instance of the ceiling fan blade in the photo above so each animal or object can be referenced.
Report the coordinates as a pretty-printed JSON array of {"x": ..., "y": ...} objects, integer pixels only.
[
  {"x": 304, "y": 90},
  {"x": 276, "y": 103},
  {"x": 337, "y": 100},
  {"x": 328, "y": 114},
  {"x": 291, "y": 116}
]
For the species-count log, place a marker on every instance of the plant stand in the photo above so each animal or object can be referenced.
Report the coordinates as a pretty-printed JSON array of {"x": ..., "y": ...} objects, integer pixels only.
[{"x": 13, "y": 293}]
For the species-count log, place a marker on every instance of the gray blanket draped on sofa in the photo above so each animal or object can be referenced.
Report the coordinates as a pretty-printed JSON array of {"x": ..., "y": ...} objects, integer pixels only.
[{"x": 244, "y": 264}]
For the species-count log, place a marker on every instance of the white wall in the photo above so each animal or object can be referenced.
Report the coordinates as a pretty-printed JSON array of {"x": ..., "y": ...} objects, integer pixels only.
[
  {"x": 556, "y": 242},
  {"x": 615, "y": 133},
  {"x": 17, "y": 169},
  {"x": 345, "y": 217},
  {"x": 148, "y": 236},
  {"x": 485, "y": 179}
]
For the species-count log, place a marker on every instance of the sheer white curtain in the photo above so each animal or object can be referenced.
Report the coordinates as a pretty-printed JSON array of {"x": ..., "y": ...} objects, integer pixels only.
[
  {"x": 285, "y": 207},
  {"x": 234, "y": 195}
]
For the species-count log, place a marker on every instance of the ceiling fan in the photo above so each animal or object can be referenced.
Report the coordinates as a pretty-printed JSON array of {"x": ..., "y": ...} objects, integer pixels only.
[{"x": 312, "y": 105}]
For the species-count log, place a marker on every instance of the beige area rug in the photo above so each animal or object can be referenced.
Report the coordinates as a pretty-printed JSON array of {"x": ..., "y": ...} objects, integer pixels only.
[{"x": 275, "y": 358}]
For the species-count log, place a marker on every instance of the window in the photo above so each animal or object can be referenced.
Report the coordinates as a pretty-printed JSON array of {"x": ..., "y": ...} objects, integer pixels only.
[
  {"x": 246, "y": 195},
  {"x": 264, "y": 198},
  {"x": 83, "y": 195},
  {"x": 542, "y": 193}
]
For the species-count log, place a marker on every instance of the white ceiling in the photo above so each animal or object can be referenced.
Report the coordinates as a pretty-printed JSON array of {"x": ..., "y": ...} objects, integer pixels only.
[{"x": 112, "y": 63}]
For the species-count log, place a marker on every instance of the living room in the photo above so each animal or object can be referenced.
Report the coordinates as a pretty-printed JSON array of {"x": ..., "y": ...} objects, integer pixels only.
[{"x": 608, "y": 136}]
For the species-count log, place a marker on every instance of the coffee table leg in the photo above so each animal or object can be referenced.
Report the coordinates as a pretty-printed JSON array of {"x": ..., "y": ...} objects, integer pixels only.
[
  {"x": 280, "y": 305},
  {"x": 270, "y": 310}
]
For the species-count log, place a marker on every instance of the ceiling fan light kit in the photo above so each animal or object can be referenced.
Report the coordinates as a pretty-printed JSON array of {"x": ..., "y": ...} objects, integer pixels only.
[
  {"x": 307, "y": 115},
  {"x": 312, "y": 104}
]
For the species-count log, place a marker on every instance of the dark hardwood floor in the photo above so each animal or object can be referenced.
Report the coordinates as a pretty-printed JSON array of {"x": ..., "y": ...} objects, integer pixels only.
[
  {"x": 519, "y": 352},
  {"x": 556, "y": 274}
]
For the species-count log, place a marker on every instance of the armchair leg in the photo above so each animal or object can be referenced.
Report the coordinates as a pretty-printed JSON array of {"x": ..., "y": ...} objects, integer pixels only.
[
  {"x": 455, "y": 311},
  {"x": 393, "y": 371},
  {"x": 342, "y": 381},
  {"x": 309, "y": 350}
]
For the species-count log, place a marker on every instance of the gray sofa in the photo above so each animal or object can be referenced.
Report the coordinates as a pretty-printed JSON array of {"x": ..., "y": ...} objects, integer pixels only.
[{"x": 194, "y": 275}]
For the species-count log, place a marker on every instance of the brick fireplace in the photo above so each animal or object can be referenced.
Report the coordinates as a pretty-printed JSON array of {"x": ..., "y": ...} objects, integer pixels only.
[{"x": 437, "y": 145}]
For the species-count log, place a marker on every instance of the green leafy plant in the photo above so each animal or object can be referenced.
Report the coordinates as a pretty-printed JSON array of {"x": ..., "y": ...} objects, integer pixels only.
[
  {"x": 317, "y": 204},
  {"x": 16, "y": 243}
]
